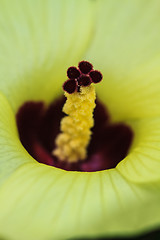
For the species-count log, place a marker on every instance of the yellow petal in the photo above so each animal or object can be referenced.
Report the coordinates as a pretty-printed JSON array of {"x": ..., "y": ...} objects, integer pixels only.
[
  {"x": 12, "y": 154},
  {"x": 38, "y": 41},
  {"x": 143, "y": 162},
  {"x": 126, "y": 49},
  {"x": 42, "y": 202}
]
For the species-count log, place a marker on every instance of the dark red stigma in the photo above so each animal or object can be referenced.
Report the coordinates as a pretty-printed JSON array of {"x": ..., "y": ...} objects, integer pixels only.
[
  {"x": 95, "y": 76},
  {"x": 70, "y": 86},
  {"x": 39, "y": 126},
  {"x": 73, "y": 73},
  {"x": 84, "y": 75},
  {"x": 85, "y": 67},
  {"x": 84, "y": 81}
]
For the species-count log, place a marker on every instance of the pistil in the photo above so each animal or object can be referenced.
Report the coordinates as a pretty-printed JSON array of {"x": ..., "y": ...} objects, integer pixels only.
[{"x": 75, "y": 135}]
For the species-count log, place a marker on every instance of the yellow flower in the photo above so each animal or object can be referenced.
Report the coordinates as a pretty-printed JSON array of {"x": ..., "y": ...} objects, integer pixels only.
[{"x": 39, "y": 40}]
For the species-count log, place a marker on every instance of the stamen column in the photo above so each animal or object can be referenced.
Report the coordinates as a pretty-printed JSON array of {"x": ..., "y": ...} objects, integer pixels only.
[{"x": 75, "y": 133}]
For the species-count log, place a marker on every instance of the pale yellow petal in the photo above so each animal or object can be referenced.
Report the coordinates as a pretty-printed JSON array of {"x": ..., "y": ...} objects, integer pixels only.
[
  {"x": 40, "y": 202},
  {"x": 143, "y": 162},
  {"x": 39, "y": 40},
  {"x": 126, "y": 49}
]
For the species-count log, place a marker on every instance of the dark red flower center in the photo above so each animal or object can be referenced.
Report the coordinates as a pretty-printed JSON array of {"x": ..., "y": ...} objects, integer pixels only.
[{"x": 38, "y": 127}]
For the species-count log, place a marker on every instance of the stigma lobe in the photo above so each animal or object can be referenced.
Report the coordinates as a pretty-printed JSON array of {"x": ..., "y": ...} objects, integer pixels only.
[{"x": 82, "y": 76}]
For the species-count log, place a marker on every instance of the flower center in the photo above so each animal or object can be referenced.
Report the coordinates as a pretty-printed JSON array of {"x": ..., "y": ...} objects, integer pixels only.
[{"x": 65, "y": 145}]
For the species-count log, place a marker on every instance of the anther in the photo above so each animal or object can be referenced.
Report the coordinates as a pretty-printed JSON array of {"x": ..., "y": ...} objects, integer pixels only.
[
  {"x": 85, "y": 67},
  {"x": 96, "y": 76},
  {"x": 70, "y": 86},
  {"x": 73, "y": 73}
]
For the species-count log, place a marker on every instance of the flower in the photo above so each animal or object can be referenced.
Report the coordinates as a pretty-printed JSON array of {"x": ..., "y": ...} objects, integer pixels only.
[{"x": 38, "y": 41}]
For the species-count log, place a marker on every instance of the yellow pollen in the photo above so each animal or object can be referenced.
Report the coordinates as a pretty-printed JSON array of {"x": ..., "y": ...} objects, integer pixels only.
[{"x": 72, "y": 142}]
